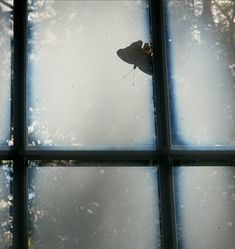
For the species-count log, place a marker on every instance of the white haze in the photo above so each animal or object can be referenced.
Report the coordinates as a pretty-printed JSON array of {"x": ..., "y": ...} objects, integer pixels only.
[
  {"x": 5, "y": 77},
  {"x": 77, "y": 95},
  {"x": 205, "y": 207},
  {"x": 98, "y": 208},
  {"x": 203, "y": 94}
]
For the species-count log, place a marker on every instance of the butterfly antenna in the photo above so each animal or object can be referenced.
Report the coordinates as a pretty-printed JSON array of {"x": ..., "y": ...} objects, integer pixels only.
[
  {"x": 127, "y": 73},
  {"x": 133, "y": 78}
]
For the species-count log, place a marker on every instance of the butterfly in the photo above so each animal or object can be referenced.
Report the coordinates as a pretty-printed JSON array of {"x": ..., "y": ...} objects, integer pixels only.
[{"x": 139, "y": 56}]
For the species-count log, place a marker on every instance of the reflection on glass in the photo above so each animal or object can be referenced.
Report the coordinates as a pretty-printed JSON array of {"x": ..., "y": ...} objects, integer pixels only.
[
  {"x": 5, "y": 72},
  {"x": 205, "y": 207},
  {"x": 93, "y": 207},
  {"x": 89, "y": 75},
  {"x": 5, "y": 205},
  {"x": 201, "y": 56}
]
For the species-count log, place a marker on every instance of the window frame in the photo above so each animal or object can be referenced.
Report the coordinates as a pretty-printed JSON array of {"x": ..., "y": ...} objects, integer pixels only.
[{"x": 165, "y": 156}]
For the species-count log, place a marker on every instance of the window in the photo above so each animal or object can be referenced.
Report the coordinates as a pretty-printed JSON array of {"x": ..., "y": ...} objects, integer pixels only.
[{"x": 117, "y": 124}]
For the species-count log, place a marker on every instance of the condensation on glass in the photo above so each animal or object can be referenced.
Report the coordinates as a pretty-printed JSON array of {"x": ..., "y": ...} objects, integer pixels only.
[
  {"x": 79, "y": 91},
  {"x": 5, "y": 204},
  {"x": 205, "y": 207},
  {"x": 97, "y": 208},
  {"x": 6, "y": 34},
  {"x": 201, "y": 72}
]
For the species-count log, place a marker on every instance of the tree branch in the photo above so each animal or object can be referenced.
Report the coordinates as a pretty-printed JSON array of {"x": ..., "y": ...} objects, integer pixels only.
[
  {"x": 6, "y": 4},
  {"x": 222, "y": 11}
]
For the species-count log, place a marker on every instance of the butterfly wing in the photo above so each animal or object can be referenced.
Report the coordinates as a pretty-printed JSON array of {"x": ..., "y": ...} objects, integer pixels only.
[
  {"x": 131, "y": 53},
  {"x": 138, "y": 56},
  {"x": 145, "y": 63},
  {"x": 126, "y": 55},
  {"x": 137, "y": 44}
]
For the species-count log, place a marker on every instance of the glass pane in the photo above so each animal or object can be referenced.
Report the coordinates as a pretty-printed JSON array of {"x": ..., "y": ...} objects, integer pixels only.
[
  {"x": 205, "y": 207},
  {"x": 93, "y": 207},
  {"x": 6, "y": 46},
  {"x": 201, "y": 62},
  {"x": 5, "y": 205},
  {"x": 79, "y": 92}
]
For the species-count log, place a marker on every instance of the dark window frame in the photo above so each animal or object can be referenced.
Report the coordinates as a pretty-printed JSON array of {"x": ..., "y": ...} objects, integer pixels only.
[{"x": 164, "y": 156}]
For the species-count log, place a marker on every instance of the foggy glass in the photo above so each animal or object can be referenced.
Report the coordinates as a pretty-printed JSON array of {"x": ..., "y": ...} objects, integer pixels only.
[
  {"x": 6, "y": 33},
  {"x": 205, "y": 207},
  {"x": 79, "y": 92},
  {"x": 97, "y": 208},
  {"x": 201, "y": 72},
  {"x": 5, "y": 205}
]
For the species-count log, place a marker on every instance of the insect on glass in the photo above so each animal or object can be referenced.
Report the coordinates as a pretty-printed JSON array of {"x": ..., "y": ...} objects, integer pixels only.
[{"x": 139, "y": 56}]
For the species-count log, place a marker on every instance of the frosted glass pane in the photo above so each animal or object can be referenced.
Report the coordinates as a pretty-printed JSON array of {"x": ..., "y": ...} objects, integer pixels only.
[
  {"x": 93, "y": 208},
  {"x": 5, "y": 205},
  {"x": 201, "y": 56},
  {"x": 79, "y": 92},
  {"x": 5, "y": 73},
  {"x": 205, "y": 207}
]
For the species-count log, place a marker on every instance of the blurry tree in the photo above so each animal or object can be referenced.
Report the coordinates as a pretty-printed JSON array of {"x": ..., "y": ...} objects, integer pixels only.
[
  {"x": 198, "y": 20},
  {"x": 6, "y": 24},
  {"x": 5, "y": 205}
]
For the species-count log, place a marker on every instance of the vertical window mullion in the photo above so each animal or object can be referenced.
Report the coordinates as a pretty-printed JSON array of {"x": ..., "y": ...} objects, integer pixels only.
[
  {"x": 19, "y": 204},
  {"x": 165, "y": 165},
  {"x": 166, "y": 204},
  {"x": 19, "y": 175}
]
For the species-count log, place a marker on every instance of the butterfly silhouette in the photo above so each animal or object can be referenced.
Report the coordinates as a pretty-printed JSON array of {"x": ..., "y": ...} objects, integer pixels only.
[{"x": 139, "y": 56}]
